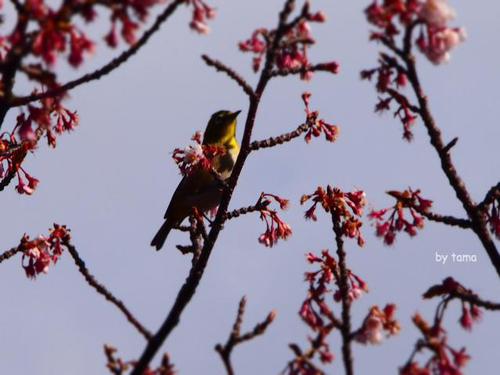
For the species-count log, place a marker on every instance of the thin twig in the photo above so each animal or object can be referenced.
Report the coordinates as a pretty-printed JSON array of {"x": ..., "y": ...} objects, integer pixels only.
[
  {"x": 403, "y": 100},
  {"x": 475, "y": 300},
  {"x": 221, "y": 67},
  {"x": 451, "y": 144},
  {"x": 261, "y": 205},
  {"x": 101, "y": 289},
  {"x": 491, "y": 195},
  {"x": 302, "y": 358},
  {"x": 273, "y": 141},
  {"x": 10, "y": 253},
  {"x": 189, "y": 287},
  {"x": 235, "y": 338},
  {"x": 321, "y": 67},
  {"x": 8, "y": 179},
  {"x": 445, "y": 219},
  {"x": 106, "y": 69}
]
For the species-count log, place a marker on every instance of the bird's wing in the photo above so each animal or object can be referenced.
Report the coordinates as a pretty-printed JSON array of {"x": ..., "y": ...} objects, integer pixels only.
[{"x": 189, "y": 187}]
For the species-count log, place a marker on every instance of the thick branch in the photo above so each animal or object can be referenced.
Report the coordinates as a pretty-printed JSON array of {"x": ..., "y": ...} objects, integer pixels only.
[
  {"x": 106, "y": 69},
  {"x": 221, "y": 67},
  {"x": 478, "y": 220},
  {"x": 101, "y": 289},
  {"x": 343, "y": 285},
  {"x": 189, "y": 287}
]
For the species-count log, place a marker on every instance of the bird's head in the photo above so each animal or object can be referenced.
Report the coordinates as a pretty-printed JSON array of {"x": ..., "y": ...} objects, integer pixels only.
[{"x": 221, "y": 127}]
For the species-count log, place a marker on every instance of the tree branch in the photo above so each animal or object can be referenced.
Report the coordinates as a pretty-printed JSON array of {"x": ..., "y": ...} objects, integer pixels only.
[
  {"x": 491, "y": 195},
  {"x": 189, "y": 287},
  {"x": 283, "y": 138},
  {"x": 448, "y": 220},
  {"x": 235, "y": 338},
  {"x": 7, "y": 179},
  {"x": 321, "y": 67},
  {"x": 343, "y": 285},
  {"x": 10, "y": 253},
  {"x": 475, "y": 300},
  {"x": 221, "y": 67},
  {"x": 260, "y": 205},
  {"x": 478, "y": 221},
  {"x": 102, "y": 290},
  {"x": 106, "y": 69}
]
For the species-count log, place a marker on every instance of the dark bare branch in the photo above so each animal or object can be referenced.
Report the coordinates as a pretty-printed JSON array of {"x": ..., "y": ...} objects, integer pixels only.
[
  {"x": 491, "y": 195},
  {"x": 283, "y": 138},
  {"x": 221, "y": 67},
  {"x": 189, "y": 287},
  {"x": 235, "y": 338},
  {"x": 445, "y": 219},
  {"x": 10, "y": 253},
  {"x": 322, "y": 67},
  {"x": 102, "y": 290}
]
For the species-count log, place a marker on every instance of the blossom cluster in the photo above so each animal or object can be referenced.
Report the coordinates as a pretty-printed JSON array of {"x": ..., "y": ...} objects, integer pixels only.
[
  {"x": 376, "y": 323},
  {"x": 317, "y": 125},
  {"x": 39, "y": 253},
  {"x": 57, "y": 34},
  {"x": 196, "y": 157},
  {"x": 494, "y": 218},
  {"x": 389, "y": 221},
  {"x": 117, "y": 366},
  {"x": 48, "y": 119},
  {"x": 346, "y": 208},
  {"x": 128, "y": 15},
  {"x": 324, "y": 288},
  {"x": 43, "y": 34},
  {"x": 276, "y": 228},
  {"x": 201, "y": 14},
  {"x": 292, "y": 50},
  {"x": 319, "y": 280},
  {"x": 444, "y": 360},
  {"x": 316, "y": 313},
  {"x": 451, "y": 288},
  {"x": 405, "y": 111},
  {"x": 435, "y": 40}
]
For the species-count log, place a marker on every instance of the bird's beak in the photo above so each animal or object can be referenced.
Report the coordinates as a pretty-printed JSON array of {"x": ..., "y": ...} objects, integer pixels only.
[{"x": 235, "y": 114}]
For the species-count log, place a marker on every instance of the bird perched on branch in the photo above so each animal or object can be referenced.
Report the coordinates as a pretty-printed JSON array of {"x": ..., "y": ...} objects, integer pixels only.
[{"x": 201, "y": 188}]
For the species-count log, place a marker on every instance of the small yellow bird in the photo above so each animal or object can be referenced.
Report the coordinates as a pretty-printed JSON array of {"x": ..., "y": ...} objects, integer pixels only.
[{"x": 200, "y": 188}]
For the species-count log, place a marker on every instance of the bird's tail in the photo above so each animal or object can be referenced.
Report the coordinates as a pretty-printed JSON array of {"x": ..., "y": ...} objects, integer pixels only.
[{"x": 160, "y": 237}]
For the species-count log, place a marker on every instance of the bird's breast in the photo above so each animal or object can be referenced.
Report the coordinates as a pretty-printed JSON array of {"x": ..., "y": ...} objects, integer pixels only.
[{"x": 224, "y": 164}]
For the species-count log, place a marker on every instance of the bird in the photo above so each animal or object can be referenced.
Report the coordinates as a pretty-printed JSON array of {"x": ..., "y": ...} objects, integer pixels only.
[{"x": 200, "y": 188}]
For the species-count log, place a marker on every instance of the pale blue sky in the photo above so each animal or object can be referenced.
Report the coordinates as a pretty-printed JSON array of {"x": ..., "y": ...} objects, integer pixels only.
[{"x": 111, "y": 180}]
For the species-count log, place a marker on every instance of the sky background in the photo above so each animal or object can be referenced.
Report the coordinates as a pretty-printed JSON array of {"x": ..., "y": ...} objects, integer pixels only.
[{"x": 111, "y": 180}]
